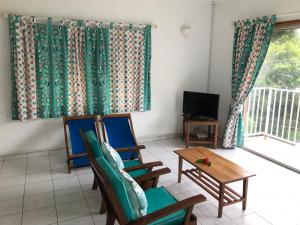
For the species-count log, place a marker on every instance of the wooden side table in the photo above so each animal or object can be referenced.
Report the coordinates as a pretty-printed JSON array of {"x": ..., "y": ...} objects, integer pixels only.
[{"x": 212, "y": 136}]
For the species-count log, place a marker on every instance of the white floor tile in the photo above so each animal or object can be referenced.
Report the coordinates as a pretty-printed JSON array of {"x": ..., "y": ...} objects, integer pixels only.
[
  {"x": 235, "y": 211},
  {"x": 38, "y": 187},
  {"x": 68, "y": 195},
  {"x": 43, "y": 216},
  {"x": 11, "y": 192},
  {"x": 38, "y": 201},
  {"x": 86, "y": 180},
  {"x": 99, "y": 219},
  {"x": 227, "y": 223},
  {"x": 12, "y": 181},
  {"x": 38, "y": 177},
  {"x": 65, "y": 183},
  {"x": 86, "y": 220},
  {"x": 208, "y": 214},
  {"x": 16, "y": 156},
  {"x": 35, "y": 154},
  {"x": 89, "y": 193},
  {"x": 252, "y": 219},
  {"x": 15, "y": 163},
  {"x": 12, "y": 219},
  {"x": 59, "y": 173},
  {"x": 72, "y": 210},
  {"x": 94, "y": 205},
  {"x": 12, "y": 171},
  {"x": 11, "y": 206},
  {"x": 84, "y": 171},
  {"x": 34, "y": 169},
  {"x": 74, "y": 191},
  {"x": 39, "y": 161}
]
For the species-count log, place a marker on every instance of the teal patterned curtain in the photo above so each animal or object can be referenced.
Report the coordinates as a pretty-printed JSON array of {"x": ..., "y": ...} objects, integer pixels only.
[
  {"x": 71, "y": 68},
  {"x": 251, "y": 41}
]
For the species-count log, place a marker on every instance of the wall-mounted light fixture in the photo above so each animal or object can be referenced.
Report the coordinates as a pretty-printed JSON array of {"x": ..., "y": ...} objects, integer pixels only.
[{"x": 185, "y": 30}]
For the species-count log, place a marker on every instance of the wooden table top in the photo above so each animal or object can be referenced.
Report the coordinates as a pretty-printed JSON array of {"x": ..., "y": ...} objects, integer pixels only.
[{"x": 221, "y": 169}]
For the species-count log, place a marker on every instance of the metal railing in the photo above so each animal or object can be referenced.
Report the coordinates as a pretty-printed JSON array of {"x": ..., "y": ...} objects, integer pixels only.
[{"x": 273, "y": 112}]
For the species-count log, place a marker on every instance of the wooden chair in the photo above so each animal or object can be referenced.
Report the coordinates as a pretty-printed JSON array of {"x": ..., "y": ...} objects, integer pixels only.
[
  {"x": 146, "y": 181},
  {"x": 176, "y": 212},
  {"x": 77, "y": 153},
  {"x": 119, "y": 133}
]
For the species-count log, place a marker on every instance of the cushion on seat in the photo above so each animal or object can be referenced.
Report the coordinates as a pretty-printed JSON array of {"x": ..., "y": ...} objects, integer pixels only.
[
  {"x": 93, "y": 141},
  {"x": 134, "y": 173},
  {"x": 159, "y": 198}
]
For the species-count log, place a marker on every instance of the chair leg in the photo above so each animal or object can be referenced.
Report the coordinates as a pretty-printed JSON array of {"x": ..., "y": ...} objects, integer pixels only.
[
  {"x": 110, "y": 219},
  {"x": 95, "y": 185},
  {"x": 69, "y": 165},
  {"x": 102, "y": 207}
]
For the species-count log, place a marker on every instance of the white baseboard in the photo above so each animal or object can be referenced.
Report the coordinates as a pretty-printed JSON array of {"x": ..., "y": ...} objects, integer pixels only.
[
  {"x": 139, "y": 139},
  {"x": 157, "y": 137}
]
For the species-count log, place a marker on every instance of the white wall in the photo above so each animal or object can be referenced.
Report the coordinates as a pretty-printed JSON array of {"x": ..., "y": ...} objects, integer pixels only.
[
  {"x": 225, "y": 12},
  {"x": 178, "y": 63}
]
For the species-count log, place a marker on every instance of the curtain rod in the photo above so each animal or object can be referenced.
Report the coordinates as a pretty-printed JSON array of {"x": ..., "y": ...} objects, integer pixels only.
[
  {"x": 282, "y": 15},
  {"x": 56, "y": 18}
]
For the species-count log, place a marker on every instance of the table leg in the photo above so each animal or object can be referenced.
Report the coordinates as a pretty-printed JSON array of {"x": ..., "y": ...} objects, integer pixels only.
[
  {"x": 221, "y": 200},
  {"x": 245, "y": 190},
  {"x": 187, "y": 134},
  {"x": 216, "y": 136},
  {"x": 179, "y": 169}
]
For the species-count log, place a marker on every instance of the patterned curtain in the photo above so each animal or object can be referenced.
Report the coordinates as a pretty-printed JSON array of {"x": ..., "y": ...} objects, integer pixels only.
[
  {"x": 129, "y": 58},
  {"x": 251, "y": 42},
  {"x": 77, "y": 68},
  {"x": 23, "y": 68}
]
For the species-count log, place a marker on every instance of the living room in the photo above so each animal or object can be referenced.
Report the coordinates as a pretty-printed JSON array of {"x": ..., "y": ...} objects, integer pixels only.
[{"x": 67, "y": 61}]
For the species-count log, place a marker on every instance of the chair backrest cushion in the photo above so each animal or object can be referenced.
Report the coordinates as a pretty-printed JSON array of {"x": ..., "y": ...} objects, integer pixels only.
[
  {"x": 131, "y": 196},
  {"x": 94, "y": 143},
  {"x": 112, "y": 156},
  {"x": 119, "y": 188}
]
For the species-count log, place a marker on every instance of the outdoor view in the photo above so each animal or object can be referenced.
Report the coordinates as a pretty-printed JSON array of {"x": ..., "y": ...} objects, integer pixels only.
[{"x": 273, "y": 107}]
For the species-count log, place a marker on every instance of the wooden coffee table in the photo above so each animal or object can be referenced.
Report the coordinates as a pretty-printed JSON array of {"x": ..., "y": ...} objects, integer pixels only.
[{"x": 214, "y": 178}]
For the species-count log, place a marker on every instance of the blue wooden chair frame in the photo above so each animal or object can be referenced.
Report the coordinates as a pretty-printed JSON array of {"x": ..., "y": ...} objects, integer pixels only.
[
  {"x": 118, "y": 131},
  {"x": 76, "y": 152}
]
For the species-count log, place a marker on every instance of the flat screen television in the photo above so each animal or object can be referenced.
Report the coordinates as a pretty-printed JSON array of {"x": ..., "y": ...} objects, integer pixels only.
[{"x": 200, "y": 105}]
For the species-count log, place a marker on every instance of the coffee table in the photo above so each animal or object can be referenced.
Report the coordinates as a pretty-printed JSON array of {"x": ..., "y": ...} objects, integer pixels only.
[{"x": 214, "y": 178}]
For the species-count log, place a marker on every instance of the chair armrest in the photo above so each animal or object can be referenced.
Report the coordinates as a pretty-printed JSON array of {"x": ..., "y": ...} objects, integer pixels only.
[
  {"x": 151, "y": 175},
  {"x": 183, "y": 204},
  {"x": 143, "y": 166},
  {"x": 134, "y": 148}
]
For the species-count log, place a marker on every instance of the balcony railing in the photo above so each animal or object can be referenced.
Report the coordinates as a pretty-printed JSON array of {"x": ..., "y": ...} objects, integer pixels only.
[{"x": 273, "y": 112}]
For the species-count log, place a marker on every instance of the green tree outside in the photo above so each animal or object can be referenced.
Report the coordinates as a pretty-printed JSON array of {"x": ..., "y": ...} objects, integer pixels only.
[{"x": 281, "y": 68}]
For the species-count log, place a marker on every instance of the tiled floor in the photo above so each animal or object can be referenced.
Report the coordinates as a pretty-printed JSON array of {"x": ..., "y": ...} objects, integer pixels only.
[
  {"x": 35, "y": 189},
  {"x": 280, "y": 151}
]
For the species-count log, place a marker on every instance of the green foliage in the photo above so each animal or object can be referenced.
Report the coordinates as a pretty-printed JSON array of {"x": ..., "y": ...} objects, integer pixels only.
[{"x": 281, "y": 68}]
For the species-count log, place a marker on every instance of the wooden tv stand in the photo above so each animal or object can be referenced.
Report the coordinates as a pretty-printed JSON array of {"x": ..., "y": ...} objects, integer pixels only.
[{"x": 212, "y": 136}]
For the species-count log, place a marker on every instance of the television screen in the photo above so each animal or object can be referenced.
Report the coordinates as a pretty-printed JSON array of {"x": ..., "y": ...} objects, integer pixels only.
[{"x": 196, "y": 104}]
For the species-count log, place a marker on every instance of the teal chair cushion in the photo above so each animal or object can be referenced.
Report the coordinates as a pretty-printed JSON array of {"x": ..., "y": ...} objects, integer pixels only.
[
  {"x": 93, "y": 141},
  {"x": 135, "y": 173},
  {"x": 119, "y": 188},
  {"x": 159, "y": 198}
]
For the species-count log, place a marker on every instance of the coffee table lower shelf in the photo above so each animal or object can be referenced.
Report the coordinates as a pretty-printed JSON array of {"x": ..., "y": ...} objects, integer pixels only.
[{"x": 224, "y": 194}]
